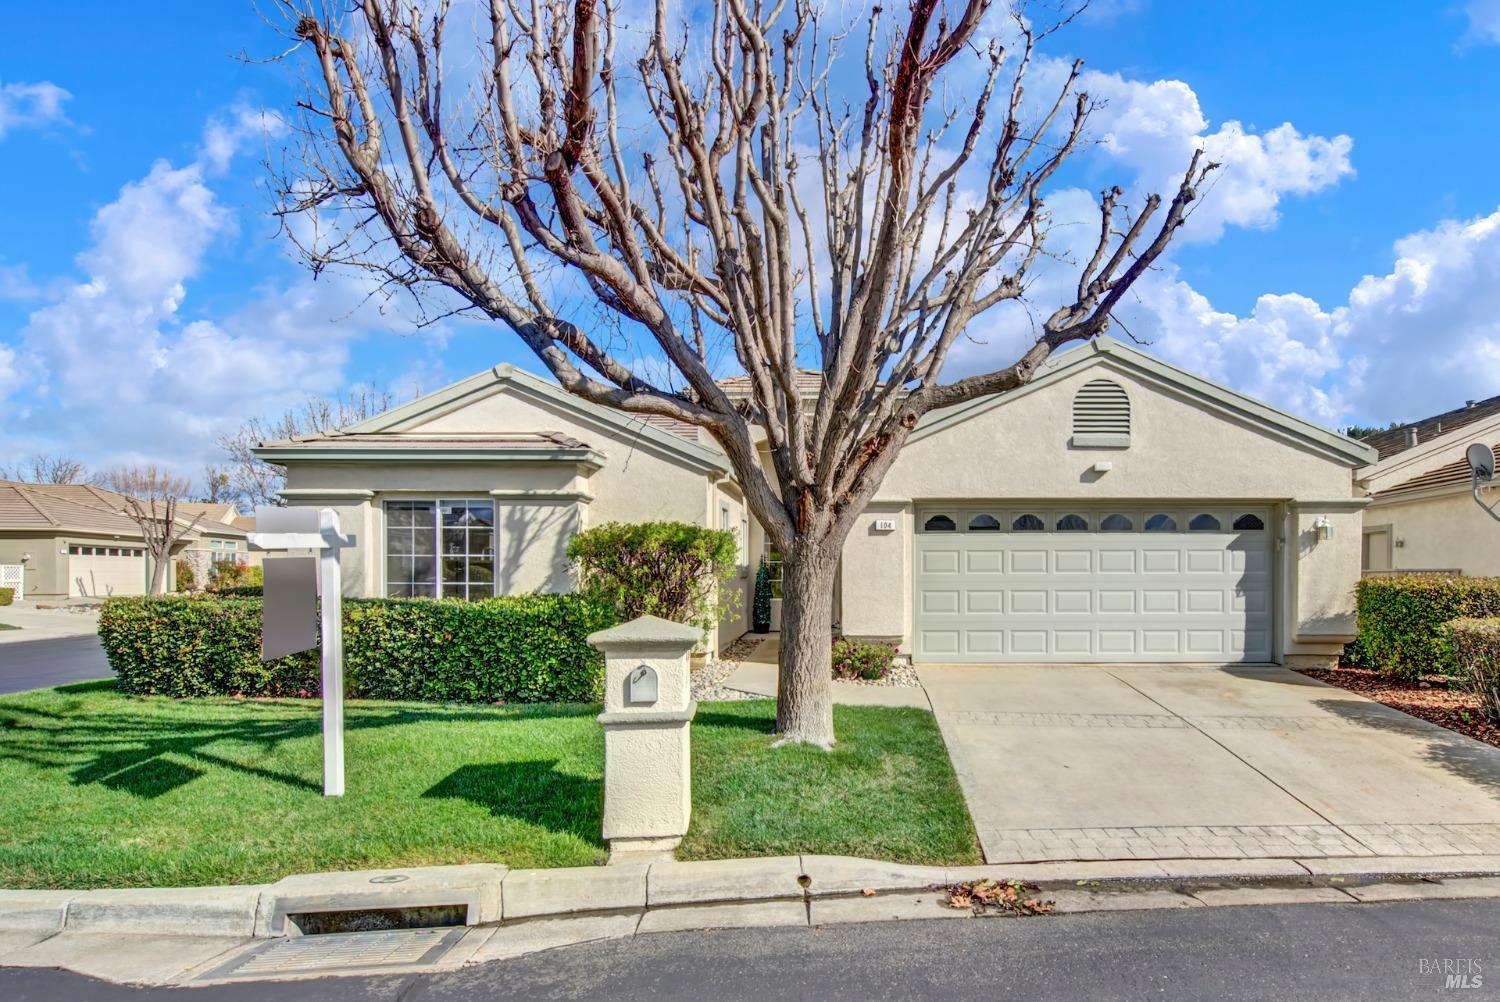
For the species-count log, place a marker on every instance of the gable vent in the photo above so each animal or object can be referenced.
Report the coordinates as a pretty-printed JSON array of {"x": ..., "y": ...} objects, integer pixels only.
[{"x": 1101, "y": 416}]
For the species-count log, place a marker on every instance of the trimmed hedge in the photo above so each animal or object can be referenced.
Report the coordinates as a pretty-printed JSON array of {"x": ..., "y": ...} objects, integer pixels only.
[
  {"x": 1476, "y": 645},
  {"x": 239, "y": 591},
  {"x": 7, "y": 596},
  {"x": 1402, "y": 617},
  {"x": 667, "y": 569},
  {"x": 523, "y": 649}
]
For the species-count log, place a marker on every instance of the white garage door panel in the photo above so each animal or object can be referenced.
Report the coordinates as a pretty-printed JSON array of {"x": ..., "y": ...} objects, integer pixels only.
[
  {"x": 106, "y": 571},
  {"x": 1175, "y": 595}
]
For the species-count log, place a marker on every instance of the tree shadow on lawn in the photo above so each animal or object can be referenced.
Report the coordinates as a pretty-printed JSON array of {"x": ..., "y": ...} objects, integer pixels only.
[
  {"x": 142, "y": 755},
  {"x": 534, "y": 792},
  {"x": 765, "y": 723}
]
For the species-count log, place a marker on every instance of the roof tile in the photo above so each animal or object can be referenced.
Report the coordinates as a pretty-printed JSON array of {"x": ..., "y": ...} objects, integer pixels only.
[{"x": 1392, "y": 441}]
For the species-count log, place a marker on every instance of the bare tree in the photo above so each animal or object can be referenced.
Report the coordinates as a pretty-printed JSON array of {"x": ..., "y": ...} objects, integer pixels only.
[
  {"x": 252, "y": 481},
  {"x": 218, "y": 485},
  {"x": 152, "y": 496},
  {"x": 45, "y": 468},
  {"x": 719, "y": 198}
]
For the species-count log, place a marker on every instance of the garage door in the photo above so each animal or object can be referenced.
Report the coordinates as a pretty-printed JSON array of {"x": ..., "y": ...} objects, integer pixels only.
[
  {"x": 1067, "y": 584},
  {"x": 101, "y": 571}
]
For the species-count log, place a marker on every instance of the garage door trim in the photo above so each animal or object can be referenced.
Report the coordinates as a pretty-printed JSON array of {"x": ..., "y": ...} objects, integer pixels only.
[{"x": 1216, "y": 601}]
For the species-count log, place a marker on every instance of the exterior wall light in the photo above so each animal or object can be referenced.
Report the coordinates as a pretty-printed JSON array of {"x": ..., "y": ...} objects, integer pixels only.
[{"x": 1323, "y": 527}]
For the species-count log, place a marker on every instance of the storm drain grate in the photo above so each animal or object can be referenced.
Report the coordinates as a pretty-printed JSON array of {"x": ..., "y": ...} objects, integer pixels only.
[{"x": 340, "y": 952}]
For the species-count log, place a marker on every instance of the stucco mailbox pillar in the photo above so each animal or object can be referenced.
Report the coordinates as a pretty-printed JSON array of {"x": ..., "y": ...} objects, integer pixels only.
[{"x": 648, "y": 710}]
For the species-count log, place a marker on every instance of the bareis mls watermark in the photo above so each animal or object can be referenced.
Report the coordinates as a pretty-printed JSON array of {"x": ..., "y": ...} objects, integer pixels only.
[{"x": 1455, "y": 972}]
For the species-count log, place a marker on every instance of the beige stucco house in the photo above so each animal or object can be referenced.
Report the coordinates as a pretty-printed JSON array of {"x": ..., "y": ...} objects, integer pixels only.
[
  {"x": 1116, "y": 509},
  {"x": 74, "y": 541},
  {"x": 1422, "y": 516},
  {"x": 221, "y": 536}
]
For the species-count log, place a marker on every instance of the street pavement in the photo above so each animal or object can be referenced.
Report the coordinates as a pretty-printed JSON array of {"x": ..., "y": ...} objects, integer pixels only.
[
  {"x": 1326, "y": 952},
  {"x": 40, "y": 664}
]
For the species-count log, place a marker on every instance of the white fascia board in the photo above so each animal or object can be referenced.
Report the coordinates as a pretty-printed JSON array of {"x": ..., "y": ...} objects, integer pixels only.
[{"x": 451, "y": 398}]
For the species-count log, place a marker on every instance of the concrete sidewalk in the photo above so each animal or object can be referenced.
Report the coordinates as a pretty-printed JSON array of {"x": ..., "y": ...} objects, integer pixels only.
[
  {"x": 46, "y": 624},
  {"x": 199, "y": 936}
]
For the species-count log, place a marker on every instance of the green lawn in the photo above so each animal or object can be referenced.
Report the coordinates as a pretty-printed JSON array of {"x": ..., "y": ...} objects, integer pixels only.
[
  {"x": 101, "y": 789},
  {"x": 7, "y": 626}
]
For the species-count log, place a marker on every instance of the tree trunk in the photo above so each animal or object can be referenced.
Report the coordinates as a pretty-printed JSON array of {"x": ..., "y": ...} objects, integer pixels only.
[
  {"x": 804, "y": 702},
  {"x": 158, "y": 573}
]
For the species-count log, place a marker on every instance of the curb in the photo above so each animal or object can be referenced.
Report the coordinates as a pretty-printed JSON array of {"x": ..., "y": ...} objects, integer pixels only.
[{"x": 491, "y": 894}]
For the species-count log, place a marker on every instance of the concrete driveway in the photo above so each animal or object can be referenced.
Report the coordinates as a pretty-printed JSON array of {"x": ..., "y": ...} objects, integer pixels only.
[{"x": 1073, "y": 762}]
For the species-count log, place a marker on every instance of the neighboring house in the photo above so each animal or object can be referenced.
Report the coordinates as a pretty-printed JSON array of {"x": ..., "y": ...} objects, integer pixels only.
[
  {"x": 1115, "y": 509},
  {"x": 74, "y": 540},
  {"x": 219, "y": 537},
  {"x": 1421, "y": 515}
]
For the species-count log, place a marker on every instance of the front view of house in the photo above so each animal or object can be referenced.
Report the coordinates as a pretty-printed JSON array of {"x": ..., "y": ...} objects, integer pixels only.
[{"x": 1116, "y": 509}]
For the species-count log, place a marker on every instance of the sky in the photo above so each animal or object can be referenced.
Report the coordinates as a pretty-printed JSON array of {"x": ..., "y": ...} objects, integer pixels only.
[{"x": 1344, "y": 264}]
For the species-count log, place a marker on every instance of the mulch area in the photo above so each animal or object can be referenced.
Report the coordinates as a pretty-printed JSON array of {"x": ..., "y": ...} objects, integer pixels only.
[{"x": 1454, "y": 709}]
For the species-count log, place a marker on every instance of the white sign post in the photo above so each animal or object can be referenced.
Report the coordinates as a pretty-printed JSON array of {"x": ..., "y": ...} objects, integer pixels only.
[{"x": 282, "y": 529}]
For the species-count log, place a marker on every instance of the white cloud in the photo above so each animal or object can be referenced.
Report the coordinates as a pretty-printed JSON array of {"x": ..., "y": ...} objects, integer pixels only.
[
  {"x": 1484, "y": 20},
  {"x": 16, "y": 284},
  {"x": 115, "y": 369},
  {"x": 1153, "y": 129},
  {"x": 26, "y": 104},
  {"x": 1417, "y": 340}
]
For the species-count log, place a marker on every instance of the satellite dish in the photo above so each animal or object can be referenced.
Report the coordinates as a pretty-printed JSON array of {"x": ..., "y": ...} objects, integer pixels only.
[{"x": 1481, "y": 461}]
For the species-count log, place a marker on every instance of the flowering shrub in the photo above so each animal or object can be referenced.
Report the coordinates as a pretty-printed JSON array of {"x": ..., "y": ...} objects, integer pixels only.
[{"x": 871, "y": 662}]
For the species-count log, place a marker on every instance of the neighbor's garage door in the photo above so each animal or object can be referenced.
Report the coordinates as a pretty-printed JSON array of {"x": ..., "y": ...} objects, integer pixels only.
[
  {"x": 1071, "y": 584},
  {"x": 100, "y": 571}
]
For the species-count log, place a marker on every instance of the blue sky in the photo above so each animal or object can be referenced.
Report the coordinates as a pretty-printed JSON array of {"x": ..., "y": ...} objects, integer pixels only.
[{"x": 1346, "y": 266}]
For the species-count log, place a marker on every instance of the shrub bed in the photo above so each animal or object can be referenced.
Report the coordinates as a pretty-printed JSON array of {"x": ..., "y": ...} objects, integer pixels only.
[
  {"x": 1402, "y": 617},
  {"x": 522, "y": 649},
  {"x": 1476, "y": 646}
]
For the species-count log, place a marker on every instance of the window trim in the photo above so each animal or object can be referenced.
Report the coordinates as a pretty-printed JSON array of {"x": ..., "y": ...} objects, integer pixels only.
[
  {"x": 953, "y": 523},
  {"x": 438, "y": 556},
  {"x": 1041, "y": 521},
  {"x": 993, "y": 516}
]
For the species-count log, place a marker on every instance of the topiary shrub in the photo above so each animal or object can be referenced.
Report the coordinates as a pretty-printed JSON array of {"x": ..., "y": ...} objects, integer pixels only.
[
  {"x": 7, "y": 596},
  {"x": 1476, "y": 647},
  {"x": 852, "y": 659},
  {"x": 760, "y": 620},
  {"x": 1401, "y": 620},
  {"x": 529, "y": 648},
  {"x": 667, "y": 569}
]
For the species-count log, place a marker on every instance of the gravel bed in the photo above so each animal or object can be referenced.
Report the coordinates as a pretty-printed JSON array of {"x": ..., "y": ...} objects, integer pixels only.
[
  {"x": 901, "y": 676},
  {"x": 708, "y": 681}
]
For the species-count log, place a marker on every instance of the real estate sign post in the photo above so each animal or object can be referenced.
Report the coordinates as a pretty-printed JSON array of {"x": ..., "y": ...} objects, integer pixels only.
[{"x": 292, "y": 587}]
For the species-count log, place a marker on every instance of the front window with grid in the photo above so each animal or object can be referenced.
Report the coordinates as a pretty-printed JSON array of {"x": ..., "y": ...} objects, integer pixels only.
[{"x": 442, "y": 548}]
